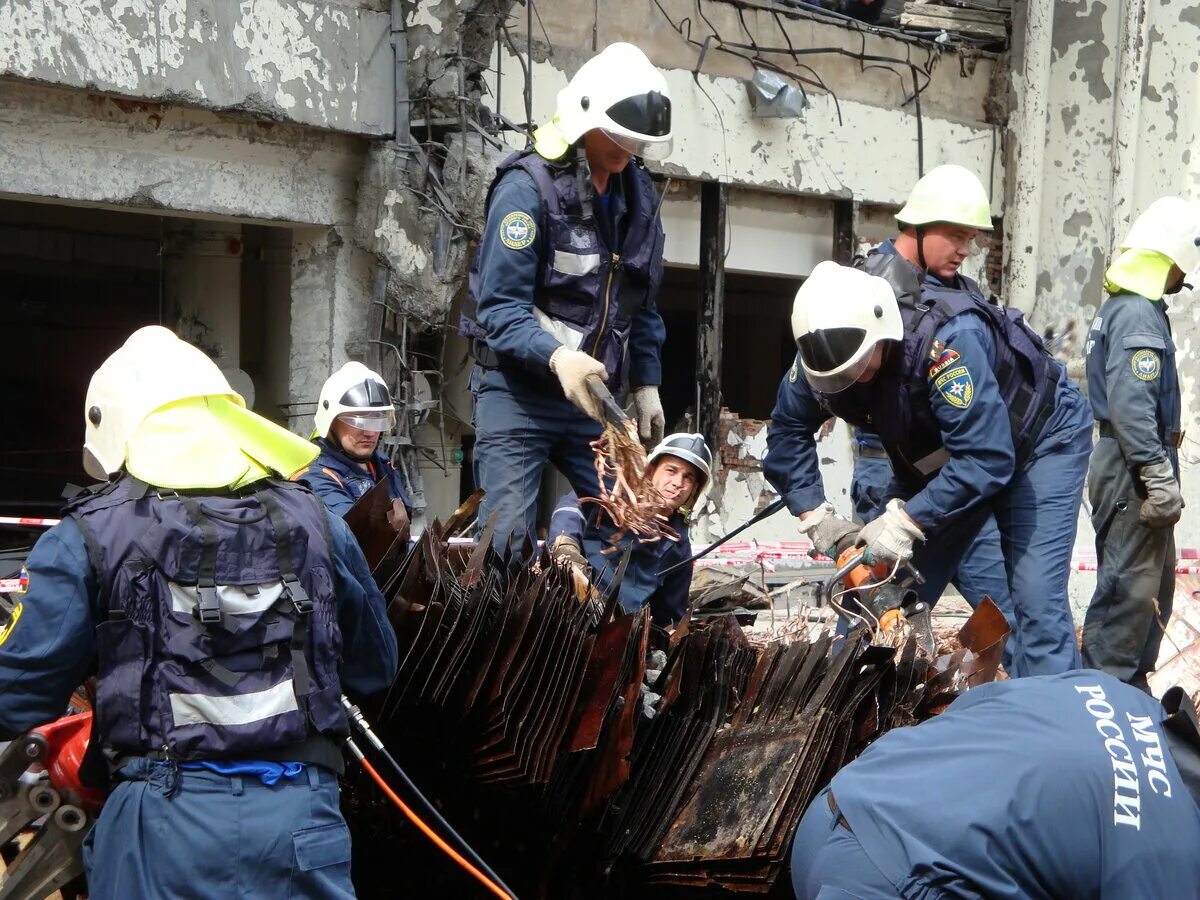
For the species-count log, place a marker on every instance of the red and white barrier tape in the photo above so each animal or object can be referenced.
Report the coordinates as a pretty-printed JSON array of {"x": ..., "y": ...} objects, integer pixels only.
[{"x": 29, "y": 521}]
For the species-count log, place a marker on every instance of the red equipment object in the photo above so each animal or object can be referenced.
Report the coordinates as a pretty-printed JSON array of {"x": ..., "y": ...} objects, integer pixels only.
[{"x": 66, "y": 743}]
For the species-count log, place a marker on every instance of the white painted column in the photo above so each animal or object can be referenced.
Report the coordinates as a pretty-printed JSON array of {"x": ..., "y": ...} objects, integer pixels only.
[
  {"x": 1127, "y": 112},
  {"x": 1022, "y": 220}
]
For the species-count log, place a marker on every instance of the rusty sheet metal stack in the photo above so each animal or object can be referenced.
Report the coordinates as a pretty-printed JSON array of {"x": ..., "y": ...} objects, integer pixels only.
[{"x": 694, "y": 780}]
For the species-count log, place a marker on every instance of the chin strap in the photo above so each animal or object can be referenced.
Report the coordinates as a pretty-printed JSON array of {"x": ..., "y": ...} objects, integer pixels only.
[{"x": 921, "y": 248}]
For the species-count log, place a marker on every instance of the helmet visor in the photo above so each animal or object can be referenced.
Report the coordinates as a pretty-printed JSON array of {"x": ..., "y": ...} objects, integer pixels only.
[
  {"x": 365, "y": 395},
  {"x": 647, "y": 114},
  {"x": 374, "y": 421},
  {"x": 833, "y": 358},
  {"x": 659, "y": 149}
]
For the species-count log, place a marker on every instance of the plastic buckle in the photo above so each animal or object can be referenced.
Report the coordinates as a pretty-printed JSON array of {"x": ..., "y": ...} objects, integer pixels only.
[
  {"x": 208, "y": 606},
  {"x": 296, "y": 593}
]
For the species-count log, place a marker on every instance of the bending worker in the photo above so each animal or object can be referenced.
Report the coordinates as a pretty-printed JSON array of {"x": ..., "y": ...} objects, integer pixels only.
[
  {"x": 563, "y": 287},
  {"x": 353, "y": 412},
  {"x": 210, "y": 596},
  {"x": 976, "y": 418},
  {"x": 951, "y": 201},
  {"x": 679, "y": 468},
  {"x": 1091, "y": 791},
  {"x": 1133, "y": 386}
]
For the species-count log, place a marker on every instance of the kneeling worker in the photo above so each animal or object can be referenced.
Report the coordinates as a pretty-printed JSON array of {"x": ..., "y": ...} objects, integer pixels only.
[
  {"x": 223, "y": 610},
  {"x": 354, "y": 411},
  {"x": 1091, "y": 791},
  {"x": 679, "y": 469}
]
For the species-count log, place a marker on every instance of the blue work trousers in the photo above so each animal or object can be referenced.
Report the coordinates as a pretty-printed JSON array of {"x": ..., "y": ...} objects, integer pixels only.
[
  {"x": 519, "y": 427},
  {"x": 166, "y": 832},
  {"x": 1037, "y": 515},
  {"x": 981, "y": 572},
  {"x": 828, "y": 862}
]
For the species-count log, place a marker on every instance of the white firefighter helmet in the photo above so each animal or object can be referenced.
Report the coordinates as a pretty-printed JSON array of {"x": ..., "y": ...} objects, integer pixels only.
[
  {"x": 359, "y": 397},
  {"x": 1170, "y": 226},
  {"x": 838, "y": 317},
  {"x": 620, "y": 92},
  {"x": 152, "y": 368},
  {"x": 691, "y": 448},
  {"x": 948, "y": 194}
]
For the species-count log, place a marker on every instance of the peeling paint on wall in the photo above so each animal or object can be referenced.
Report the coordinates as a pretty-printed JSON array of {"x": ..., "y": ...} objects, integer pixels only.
[{"x": 322, "y": 64}]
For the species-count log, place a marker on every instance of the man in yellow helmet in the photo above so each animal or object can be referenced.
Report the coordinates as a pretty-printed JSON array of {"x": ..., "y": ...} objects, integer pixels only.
[
  {"x": 223, "y": 611},
  {"x": 1133, "y": 481}
]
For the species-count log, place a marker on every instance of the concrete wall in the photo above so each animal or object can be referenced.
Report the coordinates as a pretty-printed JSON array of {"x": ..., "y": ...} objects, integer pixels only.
[
  {"x": 1121, "y": 119},
  {"x": 321, "y": 64}
]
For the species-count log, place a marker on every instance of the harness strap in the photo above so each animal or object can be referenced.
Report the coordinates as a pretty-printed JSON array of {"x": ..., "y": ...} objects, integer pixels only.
[
  {"x": 294, "y": 592},
  {"x": 208, "y": 603}
]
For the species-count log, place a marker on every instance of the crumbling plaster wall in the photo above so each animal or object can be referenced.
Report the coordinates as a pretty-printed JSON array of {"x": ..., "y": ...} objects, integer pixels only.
[
  {"x": 322, "y": 64},
  {"x": 1108, "y": 155}
]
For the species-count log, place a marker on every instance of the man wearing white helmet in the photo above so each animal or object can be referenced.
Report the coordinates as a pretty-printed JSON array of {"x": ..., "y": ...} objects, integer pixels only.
[
  {"x": 223, "y": 610},
  {"x": 562, "y": 287},
  {"x": 976, "y": 418},
  {"x": 353, "y": 412},
  {"x": 679, "y": 468},
  {"x": 946, "y": 210},
  {"x": 1133, "y": 486}
]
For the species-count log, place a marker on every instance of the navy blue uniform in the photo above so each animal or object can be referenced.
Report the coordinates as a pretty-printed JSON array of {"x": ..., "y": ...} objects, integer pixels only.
[
  {"x": 571, "y": 269},
  {"x": 160, "y": 814},
  {"x": 1133, "y": 386},
  {"x": 341, "y": 482},
  {"x": 1063, "y": 786},
  {"x": 981, "y": 571},
  {"x": 642, "y": 584},
  {"x": 972, "y": 472}
]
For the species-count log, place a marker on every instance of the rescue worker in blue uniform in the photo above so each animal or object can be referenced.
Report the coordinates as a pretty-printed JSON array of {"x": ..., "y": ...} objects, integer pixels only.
[
  {"x": 562, "y": 287},
  {"x": 354, "y": 410},
  {"x": 223, "y": 611},
  {"x": 1053, "y": 787},
  {"x": 976, "y": 417},
  {"x": 1133, "y": 486},
  {"x": 679, "y": 468},
  {"x": 981, "y": 571}
]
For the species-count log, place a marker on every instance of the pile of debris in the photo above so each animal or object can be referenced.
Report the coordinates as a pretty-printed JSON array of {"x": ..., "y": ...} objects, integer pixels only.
[
  {"x": 985, "y": 23},
  {"x": 535, "y": 712}
]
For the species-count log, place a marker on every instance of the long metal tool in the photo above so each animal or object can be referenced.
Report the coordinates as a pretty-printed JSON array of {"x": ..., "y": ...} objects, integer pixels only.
[{"x": 773, "y": 508}]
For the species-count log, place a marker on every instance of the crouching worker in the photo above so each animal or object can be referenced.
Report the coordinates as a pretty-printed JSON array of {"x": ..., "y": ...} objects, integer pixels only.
[
  {"x": 353, "y": 412},
  {"x": 223, "y": 611},
  {"x": 1091, "y": 791},
  {"x": 679, "y": 469}
]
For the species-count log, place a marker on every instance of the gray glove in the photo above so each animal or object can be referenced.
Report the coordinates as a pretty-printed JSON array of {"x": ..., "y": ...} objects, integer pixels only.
[
  {"x": 826, "y": 529},
  {"x": 573, "y": 367},
  {"x": 1163, "y": 503},
  {"x": 651, "y": 421}
]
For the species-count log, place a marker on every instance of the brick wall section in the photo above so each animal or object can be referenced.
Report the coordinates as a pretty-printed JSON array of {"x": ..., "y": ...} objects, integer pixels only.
[{"x": 733, "y": 455}]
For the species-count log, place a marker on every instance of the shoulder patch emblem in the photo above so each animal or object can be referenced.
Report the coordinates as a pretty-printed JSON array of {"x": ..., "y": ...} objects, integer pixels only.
[
  {"x": 517, "y": 230},
  {"x": 956, "y": 386},
  {"x": 792, "y": 375},
  {"x": 944, "y": 361},
  {"x": 1146, "y": 365},
  {"x": 14, "y": 617}
]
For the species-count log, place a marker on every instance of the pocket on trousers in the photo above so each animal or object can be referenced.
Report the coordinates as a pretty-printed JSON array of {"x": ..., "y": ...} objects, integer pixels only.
[{"x": 321, "y": 847}]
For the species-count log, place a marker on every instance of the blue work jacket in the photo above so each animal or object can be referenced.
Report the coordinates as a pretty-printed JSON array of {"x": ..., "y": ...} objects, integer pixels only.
[
  {"x": 1133, "y": 383},
  {"x": 340, "y": 482},
  {"x": 50, "y": 646},
  {"x": 1047, "y": 787},
  {"x": 642, "y": 584}
]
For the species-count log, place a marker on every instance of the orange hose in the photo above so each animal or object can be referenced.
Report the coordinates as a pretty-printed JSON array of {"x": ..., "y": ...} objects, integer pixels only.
[{"x": 433, "y": 836}]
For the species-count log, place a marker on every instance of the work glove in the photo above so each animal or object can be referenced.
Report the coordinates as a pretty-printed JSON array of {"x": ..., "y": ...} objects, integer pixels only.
[
  {"x": 651, "y": 421},
  {"x": 1163, "y": 502},
  {"x": 573, "y": 368},
  {"x": 398, "y": 518},
  {"x": 826, "y": 529},
  {"x": 566, "y": 551},
  {"x": 890, "y": 538}
]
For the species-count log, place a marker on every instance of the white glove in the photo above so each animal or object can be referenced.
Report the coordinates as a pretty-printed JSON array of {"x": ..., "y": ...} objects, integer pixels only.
[
  {"x": 826, "y": 529},
  {"x": 890, "y": 538},
  {"x": 573, "y": 367},
  {"x": 651, "y": 421}
]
